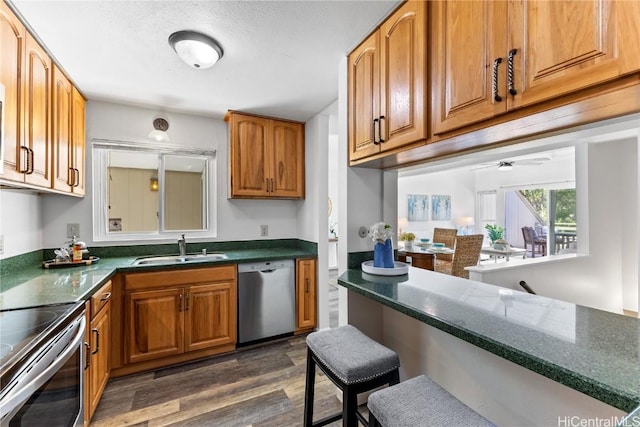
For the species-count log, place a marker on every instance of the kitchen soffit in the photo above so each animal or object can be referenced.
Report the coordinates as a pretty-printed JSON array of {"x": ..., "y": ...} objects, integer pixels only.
[{"x": 281, "y": 57}]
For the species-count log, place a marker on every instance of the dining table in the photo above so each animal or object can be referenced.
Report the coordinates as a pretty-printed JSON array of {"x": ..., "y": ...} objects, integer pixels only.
[{"x": 422, "y": 256}]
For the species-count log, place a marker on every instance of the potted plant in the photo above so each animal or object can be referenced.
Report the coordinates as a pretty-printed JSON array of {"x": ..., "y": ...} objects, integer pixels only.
[
  {"x": 495, "y": 232},
  {"x": 407, "y": 238}
]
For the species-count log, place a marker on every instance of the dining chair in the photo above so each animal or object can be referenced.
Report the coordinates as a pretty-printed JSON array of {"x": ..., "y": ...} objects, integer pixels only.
[
  {"x": 466, "y": 253},
  {"x": 448, "y": 237},
  {"x": 538, "y": 244}
]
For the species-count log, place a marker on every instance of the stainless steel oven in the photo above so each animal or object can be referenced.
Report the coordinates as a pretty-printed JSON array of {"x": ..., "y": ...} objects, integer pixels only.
[{"x": 43, "y": 357}]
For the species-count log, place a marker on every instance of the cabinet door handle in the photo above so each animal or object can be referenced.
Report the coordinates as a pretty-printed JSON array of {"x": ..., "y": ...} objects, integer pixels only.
[
  {"x": 496, "y": 64},
  {"x": 180, "y": 302},
  {"x": 31, "y": 161},
  {"x": 268, "y": 181},
  {"x": 306, "y": 285},
  {"x": 512, "y": 89},
  {"x": 97, "y": 332},
  {"x": 77, "y": 177},
  {"x": 106, "y": 296},
  {"x": 71, "y": 174},
  {"x": 87, "y": 359},
  {"x": 380, "y": 129},
  {"x": 26, "y": 160},
  {"x": 187, "y": 303},
  {"x": 375, "y": 141}
]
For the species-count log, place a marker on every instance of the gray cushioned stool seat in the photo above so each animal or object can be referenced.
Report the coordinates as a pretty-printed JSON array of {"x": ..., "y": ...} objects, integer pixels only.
[
  {"x": 351, "y": 355},
  {"x": 354, "y": 363},
  {"x": 420, "y": 402}
]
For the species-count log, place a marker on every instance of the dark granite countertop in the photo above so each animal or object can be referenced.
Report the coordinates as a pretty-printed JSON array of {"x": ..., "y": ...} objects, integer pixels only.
[
  {"x": 31, "y": 285},
  {"x": 589, "y": 350}
]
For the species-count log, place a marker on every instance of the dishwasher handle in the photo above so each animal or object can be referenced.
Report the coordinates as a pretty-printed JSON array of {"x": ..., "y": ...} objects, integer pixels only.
[{"x": 271, "y": 270}]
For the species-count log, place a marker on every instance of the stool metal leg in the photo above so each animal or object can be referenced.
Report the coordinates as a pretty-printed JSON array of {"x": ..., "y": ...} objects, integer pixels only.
[{"x": 309, "y": 390}]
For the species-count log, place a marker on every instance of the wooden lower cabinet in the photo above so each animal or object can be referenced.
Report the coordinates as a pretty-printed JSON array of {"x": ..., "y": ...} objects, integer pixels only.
[
  {"x": 169, "y": 314},
  {"x": 153, "y": 324},
  {"x": 306, "y": 317},
  {"x": 98, "y": 343},
  {"x": 210, "y": 316}
]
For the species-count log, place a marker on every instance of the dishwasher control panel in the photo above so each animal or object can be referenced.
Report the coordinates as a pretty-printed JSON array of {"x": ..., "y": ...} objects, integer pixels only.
[{"x": 266, "y": 265}]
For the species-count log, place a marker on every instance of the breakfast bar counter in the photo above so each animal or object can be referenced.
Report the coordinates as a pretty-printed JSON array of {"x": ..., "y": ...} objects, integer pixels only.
[{"x": 517, "y": 358}]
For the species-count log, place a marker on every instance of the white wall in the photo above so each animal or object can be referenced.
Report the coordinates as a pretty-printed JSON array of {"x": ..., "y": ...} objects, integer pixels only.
[
  {"x": 237, "y": 219},
  {"x": 457, "y": 183},
  {"x": 312, "y": 215},
  {"x": 608, "y": 228},
  {"x": 20, "y": 222}
]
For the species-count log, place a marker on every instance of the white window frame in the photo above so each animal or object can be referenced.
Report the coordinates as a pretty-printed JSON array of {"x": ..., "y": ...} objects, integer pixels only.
[{"x": 100, "y": 192}]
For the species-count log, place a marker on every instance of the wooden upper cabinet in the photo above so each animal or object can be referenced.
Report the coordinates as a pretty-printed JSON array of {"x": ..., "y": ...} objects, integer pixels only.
[
  {"x": 287, "y": 159},
  {"x": 44, "y": 126},
  {"x": 266, "y": 157},
  {"x": 37, "y": 113},
  {"x": 68, "y": 136},
  {"x": 78, "y": 142},
  {"x": 468, "y": 54},
  {"x": 248, "y": 153},
  {"x": 403, "y": 76},
  {"x": 492, "y": 57},
  {"x": 64, "y": 176},
  {"x": 12, "y": 39},
  {"x": 364, "y": 98},
  {"x": 387, "y": 84},
  {"x": 564, "y": 46}
]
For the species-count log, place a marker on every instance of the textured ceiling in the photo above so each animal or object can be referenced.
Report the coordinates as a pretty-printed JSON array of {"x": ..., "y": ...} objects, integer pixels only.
[{"x": 280, "y": 57}]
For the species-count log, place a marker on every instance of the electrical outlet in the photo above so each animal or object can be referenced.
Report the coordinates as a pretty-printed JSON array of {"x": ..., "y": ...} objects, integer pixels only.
[
  {"x": 1, "y": 243},
  {"x": 264, "y": 230},
  {"x": 73, "y": 230}
]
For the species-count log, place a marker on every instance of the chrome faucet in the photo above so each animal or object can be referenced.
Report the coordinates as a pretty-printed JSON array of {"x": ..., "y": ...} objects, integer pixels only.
[{"x": 182, "y": 245}]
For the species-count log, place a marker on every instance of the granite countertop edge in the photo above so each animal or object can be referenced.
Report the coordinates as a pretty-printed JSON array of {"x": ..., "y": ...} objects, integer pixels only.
[
  {"x": 596, "y": 389},
  {"x": 33, "y": 285}
]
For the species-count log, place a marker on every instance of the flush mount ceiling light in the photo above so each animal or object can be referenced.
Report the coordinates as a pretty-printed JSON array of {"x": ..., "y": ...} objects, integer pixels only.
[
  {"x": 195, "y": 49},
  {"x": 505, "y": 166},
  {"x": 159, "y": 132}
]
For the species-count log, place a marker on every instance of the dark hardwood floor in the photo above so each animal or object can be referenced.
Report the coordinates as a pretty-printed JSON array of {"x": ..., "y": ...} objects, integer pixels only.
[{"x": 260, "y": 387}]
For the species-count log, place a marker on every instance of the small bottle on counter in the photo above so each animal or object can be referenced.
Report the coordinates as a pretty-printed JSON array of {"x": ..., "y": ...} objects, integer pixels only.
[{"x": 77, "y": 252}]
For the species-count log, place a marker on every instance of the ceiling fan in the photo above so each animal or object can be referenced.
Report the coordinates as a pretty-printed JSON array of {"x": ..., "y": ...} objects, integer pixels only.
[{"x": 506, "y": 165}]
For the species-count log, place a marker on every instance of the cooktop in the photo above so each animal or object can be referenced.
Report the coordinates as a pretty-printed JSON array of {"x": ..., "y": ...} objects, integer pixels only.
[{"x": 22, "y": 329}]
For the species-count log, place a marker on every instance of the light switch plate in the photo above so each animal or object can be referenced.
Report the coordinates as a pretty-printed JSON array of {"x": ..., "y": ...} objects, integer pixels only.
[
  {"x": 264, "y": 230},
  {"x": 1, "y": 243}
]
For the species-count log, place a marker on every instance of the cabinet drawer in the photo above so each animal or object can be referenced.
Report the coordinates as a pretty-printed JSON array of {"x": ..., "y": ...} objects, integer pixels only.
[
  {"x": 100, "y": 299},
  {"x": 162, "y": 279}
]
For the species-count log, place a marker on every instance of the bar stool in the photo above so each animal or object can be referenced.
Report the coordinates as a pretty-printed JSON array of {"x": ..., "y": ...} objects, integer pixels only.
[
  {"x": 354, "y": 363},
  {"x": 420, "y": 402}
]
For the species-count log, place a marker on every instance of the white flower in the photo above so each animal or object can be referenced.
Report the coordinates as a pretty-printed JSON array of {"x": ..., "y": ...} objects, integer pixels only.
[{"x": 380, "y": 232}]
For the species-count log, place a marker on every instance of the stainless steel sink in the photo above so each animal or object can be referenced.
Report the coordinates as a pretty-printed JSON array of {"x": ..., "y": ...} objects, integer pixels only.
[{"x": 177, "y": 259}]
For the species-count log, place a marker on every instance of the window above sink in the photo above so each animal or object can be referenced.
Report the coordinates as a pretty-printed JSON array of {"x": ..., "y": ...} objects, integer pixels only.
[{"x": 147, "y": 192}]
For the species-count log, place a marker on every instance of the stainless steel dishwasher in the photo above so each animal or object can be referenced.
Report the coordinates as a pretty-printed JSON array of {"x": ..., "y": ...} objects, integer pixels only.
[{"x": 266, "y": 300}]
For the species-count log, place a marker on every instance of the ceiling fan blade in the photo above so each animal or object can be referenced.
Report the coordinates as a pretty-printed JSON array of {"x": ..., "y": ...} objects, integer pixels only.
[
  {"x": 527, "y": 163},
  {"x": 484, "y": 166}
]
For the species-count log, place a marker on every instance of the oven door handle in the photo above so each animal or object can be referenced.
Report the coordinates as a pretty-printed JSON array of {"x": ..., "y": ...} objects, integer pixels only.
[{"x": 10, "y": 404}]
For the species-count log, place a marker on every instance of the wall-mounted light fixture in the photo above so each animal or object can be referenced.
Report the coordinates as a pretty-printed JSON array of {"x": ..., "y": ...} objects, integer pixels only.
[
  {"x": 195, "y": 49},
  {"x": 159, "y": 132},
  {"x": 154, "y": 185}
]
